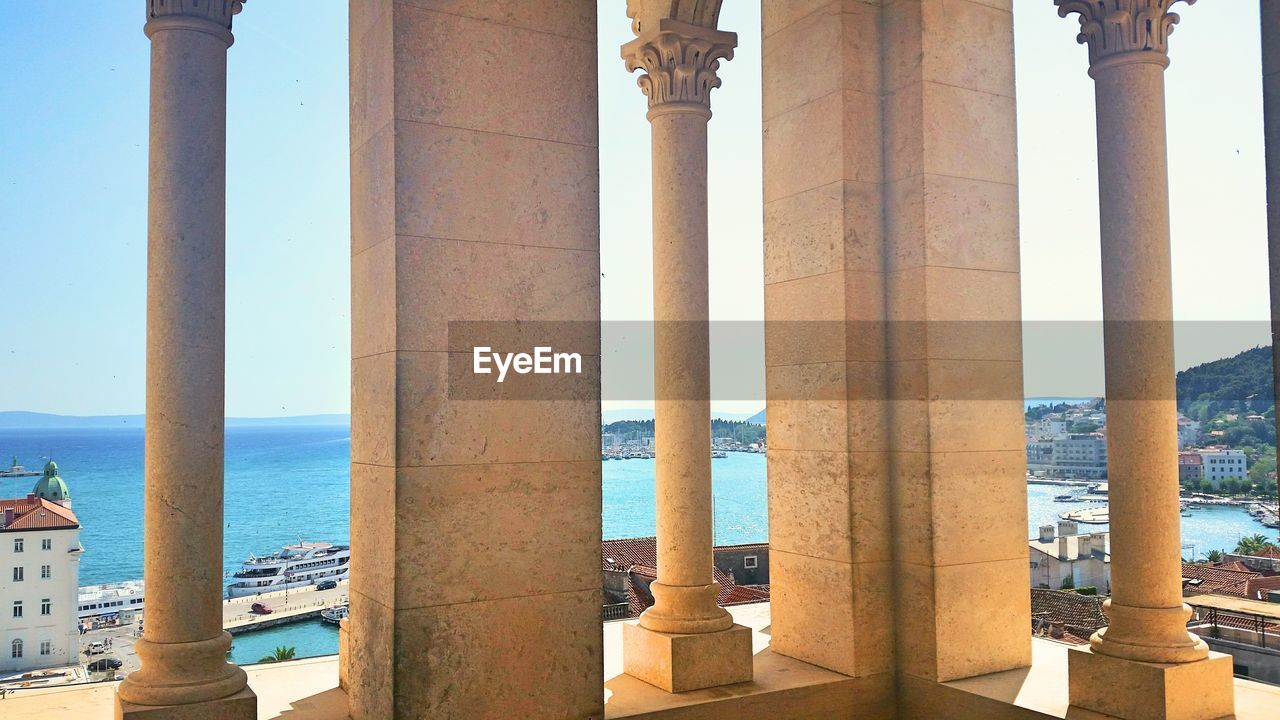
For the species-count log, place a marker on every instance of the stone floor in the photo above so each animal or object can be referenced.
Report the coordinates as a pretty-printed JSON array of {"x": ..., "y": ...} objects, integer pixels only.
[{"x": 307, "y": 689}]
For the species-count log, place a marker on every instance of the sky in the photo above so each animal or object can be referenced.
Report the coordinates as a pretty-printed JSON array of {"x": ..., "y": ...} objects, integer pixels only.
[{"x": 73, "y": 138}]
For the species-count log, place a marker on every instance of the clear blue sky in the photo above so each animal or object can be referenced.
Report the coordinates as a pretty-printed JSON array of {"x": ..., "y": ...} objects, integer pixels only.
[{"x": 73, "y": 139}]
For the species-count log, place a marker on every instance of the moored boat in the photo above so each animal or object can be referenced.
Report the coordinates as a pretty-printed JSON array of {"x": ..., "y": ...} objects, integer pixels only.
[
  {"x": 335, "y": 614},
  {"x": 294, "y": 566}
]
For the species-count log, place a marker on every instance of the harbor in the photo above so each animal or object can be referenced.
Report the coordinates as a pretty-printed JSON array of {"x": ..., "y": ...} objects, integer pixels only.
[{"x": 286, "y": 606}]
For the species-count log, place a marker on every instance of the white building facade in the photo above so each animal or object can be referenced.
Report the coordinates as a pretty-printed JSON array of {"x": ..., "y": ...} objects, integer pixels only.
[
  {"x": 1224, "y": 464},
  {"x": 1068, "y": 559},
  {"x": 39, "y": 579},
  {"x": 1081, "y": 456}
]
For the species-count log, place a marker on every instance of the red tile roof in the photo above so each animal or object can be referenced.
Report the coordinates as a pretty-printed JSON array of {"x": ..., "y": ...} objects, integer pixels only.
[
  {"x": 1207, "y": 580},
  {"x": 1080, "y": 615},
  {"x": 1258, "y": 587},
  {"x": 1234, "y": 565},
  {"x": 625, "y": 552},
  {"x": 639, "y": 557},
  {"x": 33, "y": 513}
]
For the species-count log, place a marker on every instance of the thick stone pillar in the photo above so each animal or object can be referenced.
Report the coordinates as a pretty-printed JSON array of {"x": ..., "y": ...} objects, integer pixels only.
[
  {"x": 1270, "y": 14},
  {"x": 475, "y": 506},
  {"x": 824, "y": 268},
  {"x": 184, "y": 671},
  {"x": 954, "y": 348},
  {"x": 1145, "y": 664},
  {"x": 685, "y": 641},
  {"x": 892, "y": 347}
]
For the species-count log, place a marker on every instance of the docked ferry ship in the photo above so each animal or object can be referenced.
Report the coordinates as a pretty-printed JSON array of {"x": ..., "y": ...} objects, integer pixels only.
[
  {"x": 295, "y": 566},
  {"x": 121, "y": 600}
]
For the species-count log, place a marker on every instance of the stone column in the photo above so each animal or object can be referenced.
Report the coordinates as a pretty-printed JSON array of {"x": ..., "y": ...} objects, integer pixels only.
[
  {"x": 184, "y": 671},
  {"x": 685, "y": 641},
  {"x": 1145, "y": 661},
  {"x": 474, "y": 222},
  {"x": 1270, "y": 13}
]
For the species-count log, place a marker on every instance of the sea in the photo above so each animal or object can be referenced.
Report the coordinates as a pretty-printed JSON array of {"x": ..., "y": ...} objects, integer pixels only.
[{"x": 284, "y": 484}]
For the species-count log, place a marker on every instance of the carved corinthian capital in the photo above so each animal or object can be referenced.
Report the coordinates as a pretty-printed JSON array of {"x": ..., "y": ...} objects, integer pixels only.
[
  {"x": 679, "y": 60},
  {"x": 218, "y": 11},
  {"x": 1117, "y": 27}
]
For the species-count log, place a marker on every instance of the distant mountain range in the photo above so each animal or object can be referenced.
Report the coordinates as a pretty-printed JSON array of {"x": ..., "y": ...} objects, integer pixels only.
[
  {"x": 16, "y": 420},
  {"x": 21, "y": 420}
]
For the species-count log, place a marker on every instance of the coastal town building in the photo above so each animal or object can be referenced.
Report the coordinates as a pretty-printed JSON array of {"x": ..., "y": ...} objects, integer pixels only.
[
  {"x": 1068, "y": 559},
  {"x": 1188, "y": 432},
  {"x": 1236, "y": 610},
  {"x": 1190, "y": 466},
  {"x": 1073, "y": 456},
  {"x": 890, "y": 189},
  {"x": 1247, "y": 630},
  {"x": 39, "y": 576},
  {"x": 1265, "y": 561},
  {"x": 1223, "y": 463},
  {"x": 1231, "y": 579}
]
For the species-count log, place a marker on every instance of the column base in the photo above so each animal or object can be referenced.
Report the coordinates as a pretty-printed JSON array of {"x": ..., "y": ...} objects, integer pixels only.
[
  {"x": 241, "y": 706},
  {"x": 1134, "y": 690},
  {"x": 679, "y": 663}
]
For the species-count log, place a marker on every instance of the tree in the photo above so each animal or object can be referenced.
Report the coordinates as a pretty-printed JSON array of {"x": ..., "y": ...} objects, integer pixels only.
[
  {"x": 280, "y": 654},
  {"x": 1262, "y": 468},
  {"x": 1068, "y": 583},
  {"x": 1215, "y": 556},
  {"x": 1253, "y": 545}
]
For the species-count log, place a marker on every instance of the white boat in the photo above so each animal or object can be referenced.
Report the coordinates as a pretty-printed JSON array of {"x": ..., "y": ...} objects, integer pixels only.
[
  {"x": 295, "y": 566},
  {"x": 335, "y": 614},
  {"x": 16, "y": 470},
  {"x": 110, "y": 599}
]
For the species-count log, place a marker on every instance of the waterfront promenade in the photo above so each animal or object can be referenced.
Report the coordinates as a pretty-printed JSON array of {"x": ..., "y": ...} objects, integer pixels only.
[
  {"x": 299, "y": 605},
  {"x": 286, "y": 607}
]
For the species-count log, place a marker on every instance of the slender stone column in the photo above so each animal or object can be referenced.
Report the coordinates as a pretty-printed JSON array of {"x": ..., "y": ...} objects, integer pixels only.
[
  {"x": 1128, "y": 44},
  {"x": 681, "y": 59},
  {"x": 1270, "y": 13},
  {"x": 184, "y": 670}
]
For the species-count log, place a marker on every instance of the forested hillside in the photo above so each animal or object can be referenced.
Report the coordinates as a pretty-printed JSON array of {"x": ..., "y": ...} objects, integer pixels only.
[{"x": 1242, "y": 383}]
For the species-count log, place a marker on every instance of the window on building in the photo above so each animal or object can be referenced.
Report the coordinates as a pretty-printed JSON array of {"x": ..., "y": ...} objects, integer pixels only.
[
  {"x": 17, "y": 545},
  {"x": 749, "y": 562},
  {"x": 46, "y": 647},
  {"x": 17, "y": 608},
  {"x": 17, "y": 574},
  {"x": 15, "y": 649},
  {"x": 46, "y": 544},
  {"x": 46, "y": 572},
  {"x": 46, "y": 607}
]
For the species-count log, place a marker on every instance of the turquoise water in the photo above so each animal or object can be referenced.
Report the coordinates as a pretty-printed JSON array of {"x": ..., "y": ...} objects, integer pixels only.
[
  {"x": 1208, "y": 528},
  {"x": 308, "y": 639},
  {"x": 286, "y": 483},
  {"x": 280, "y": 484}
]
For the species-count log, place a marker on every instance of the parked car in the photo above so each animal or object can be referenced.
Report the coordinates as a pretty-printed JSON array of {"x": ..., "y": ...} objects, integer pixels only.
[
  {"x": 105, "y": 664},
  {"x": 326, "y": 584},
  {"x": 260, "y": 609},
  {"x": 97, "y": 647}
]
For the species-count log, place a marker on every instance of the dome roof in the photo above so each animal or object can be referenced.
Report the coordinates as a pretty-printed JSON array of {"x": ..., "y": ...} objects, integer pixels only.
[{"x": 51, "y": 487}]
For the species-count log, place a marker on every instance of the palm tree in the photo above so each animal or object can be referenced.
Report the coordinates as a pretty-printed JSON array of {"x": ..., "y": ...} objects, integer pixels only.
[
  {"x": 1253, "y": 545},
  {"x": 1215, "y": 556},
  {"x": 280, "y": 654}
]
